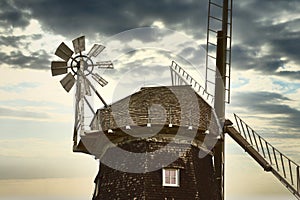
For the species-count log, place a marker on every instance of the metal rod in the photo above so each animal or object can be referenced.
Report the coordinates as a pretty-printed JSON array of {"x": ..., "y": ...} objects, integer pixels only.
[
  {"x": 268, "y": 152},
  {"x": 262, "y": 147},
  {"x": 298, "y": 179},
  {"x": 243, "y": 129},
  {"x": 94, "y": 89},
  {"x": 247, "y": 127},
  {"x": 76, "y": 124},
  {"x": 291, "y": 173},
  {"x": 282, "y": 163},
  {"x": 236, "y": 120},
  {"x": 89, "y": 105},
  {"x": 172, "y": 76},
  {"x": 275, "y": 159},
  {"x": 254, "y": 136}
]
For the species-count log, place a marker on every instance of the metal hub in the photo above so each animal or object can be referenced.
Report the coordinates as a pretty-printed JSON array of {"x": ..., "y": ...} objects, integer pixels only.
[{"x": 84, "y": 62}]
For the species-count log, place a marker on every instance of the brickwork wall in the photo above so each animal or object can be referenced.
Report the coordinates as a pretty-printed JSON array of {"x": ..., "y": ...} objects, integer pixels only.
[{"x": 197, "y": 178}]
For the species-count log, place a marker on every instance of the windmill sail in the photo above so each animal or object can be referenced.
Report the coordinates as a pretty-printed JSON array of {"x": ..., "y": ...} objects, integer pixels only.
[
  {"x": 59, "y": 67},
  {"x": 219, "y": 18},
  {"x": 271, "y": 159},
  {"x": 181, "y": 77},
  {"x": 79, "y": 44},
  {"x": 64, "y": 52},
  {"x": 95, "y": 50}
]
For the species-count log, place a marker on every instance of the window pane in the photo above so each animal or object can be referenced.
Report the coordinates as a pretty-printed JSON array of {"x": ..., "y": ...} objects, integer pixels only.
[
  {"x": 168, "y": 181},
  {"x": 167, "y": 173},
  {"x": 173, "y": 180},
  {"x": 172, "y": 173},
  {"x": 167, "y": 176}
]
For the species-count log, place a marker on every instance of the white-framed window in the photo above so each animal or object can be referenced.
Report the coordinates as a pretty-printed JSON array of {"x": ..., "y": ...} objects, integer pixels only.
[{"x": 170, "y": 177}]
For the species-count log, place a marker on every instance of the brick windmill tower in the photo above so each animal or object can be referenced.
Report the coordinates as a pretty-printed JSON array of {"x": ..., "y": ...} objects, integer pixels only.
[
  {"x": 156, "y": 155},
  {"x": 164, "y": 142}
]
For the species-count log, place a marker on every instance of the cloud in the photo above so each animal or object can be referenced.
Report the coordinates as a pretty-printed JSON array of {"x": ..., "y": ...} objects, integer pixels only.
[
  {"x": 272, "y": 107},
  {"x": 19, "y": 87},
  {"x": 8, "y": 112},
  {"x": 11, "y": 16},
  {"x": 36, "y": 60},
  {"x": 14, "y": 41},
  {"x": 258, "y": 97},
  {"x": 18, "y": 41},
  {"x": 111, "y": 17},
  {"x": 266, "y": 35},
  {"x": 35, "y": 111},
  {"x": 290, "y": 74}
]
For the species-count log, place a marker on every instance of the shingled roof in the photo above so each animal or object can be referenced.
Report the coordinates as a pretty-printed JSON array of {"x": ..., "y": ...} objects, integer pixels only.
[
  {"x": 148, "y": 114},
  {"x": 176, "y": 105}
]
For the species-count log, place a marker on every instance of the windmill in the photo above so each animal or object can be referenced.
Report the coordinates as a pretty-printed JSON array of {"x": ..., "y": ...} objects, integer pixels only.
[
  {"x": 207, "y": 172},
  {"x": 82, "y": 67}
]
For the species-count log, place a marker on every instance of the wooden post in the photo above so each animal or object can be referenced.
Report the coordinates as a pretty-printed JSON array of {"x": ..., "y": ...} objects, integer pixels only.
[{"x": 220, "y": 96}]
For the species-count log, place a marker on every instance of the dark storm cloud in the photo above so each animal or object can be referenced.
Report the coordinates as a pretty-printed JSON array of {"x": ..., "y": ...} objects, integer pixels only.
[
  {"x": 14, "y": 41},
  {"x": 12, "y": 16},
  {"x": 113, "y": 16},
  {"x": 18, "y": 41},
  {"x": 288, "y": 46},
  {"x": 291, "y": 74},
  {"x": 266, "y": 23},
  {"x": 259, "y": 97},
  {"x": 16, "y": 59},
  {"x": 247, "y": 57},
  {"x": 255, "y": 24},
  {"x": 270, "y": 104}
]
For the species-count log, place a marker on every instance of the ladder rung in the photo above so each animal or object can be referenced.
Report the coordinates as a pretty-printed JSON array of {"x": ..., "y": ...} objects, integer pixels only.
[
  {"x": 211, "y": 82},
  {"x": 216, "y": 4},
  {"x": 213, "y": 30},
  {"x": 212, "y": 44},
  {"x": 216, "y": 18},
  {"x": 211, "y": 57},
  {"x": 211, "y": 69}
]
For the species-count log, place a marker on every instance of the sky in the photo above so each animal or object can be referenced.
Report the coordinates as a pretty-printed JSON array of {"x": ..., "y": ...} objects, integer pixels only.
[{"x": 36, "y": 114}]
